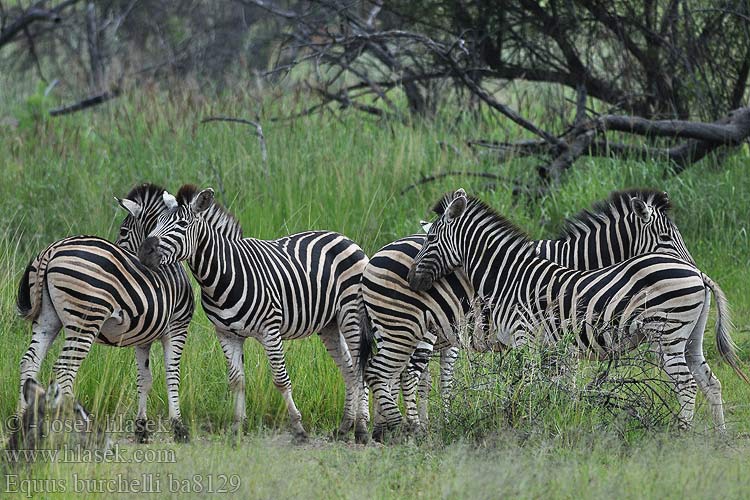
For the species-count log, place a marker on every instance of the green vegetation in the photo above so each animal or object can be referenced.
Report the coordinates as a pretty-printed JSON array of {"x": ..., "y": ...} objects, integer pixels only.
[{"x": 59, "y": 176}]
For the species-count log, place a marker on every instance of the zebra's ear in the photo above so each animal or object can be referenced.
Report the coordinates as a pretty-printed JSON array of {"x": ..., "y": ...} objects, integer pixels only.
[
  {"x": 32, "y": 391},
  {"x": 425, "y": 225},
  {"x": 202, "y": 201},
  {"x": 457, "y": 206},
  {"x": 130, "y": 206},
  {"x": 641, "y": 209},
  {"x": 169, "y": 200}
]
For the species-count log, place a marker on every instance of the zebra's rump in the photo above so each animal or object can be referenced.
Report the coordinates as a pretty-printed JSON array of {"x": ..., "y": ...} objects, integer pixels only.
[
  {"x": 615, "y": 307},
  {"x": 91, "y": 281}
]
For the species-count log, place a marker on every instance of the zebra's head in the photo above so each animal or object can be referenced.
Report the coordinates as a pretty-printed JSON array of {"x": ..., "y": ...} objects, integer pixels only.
[
  {"x": 143, "y": 204},
  {"x": 438, "y": 256},
  {"x": 655, "y": 231},
  {"x": 175, "y": 236},
  {"x": 51, "y": 419}
]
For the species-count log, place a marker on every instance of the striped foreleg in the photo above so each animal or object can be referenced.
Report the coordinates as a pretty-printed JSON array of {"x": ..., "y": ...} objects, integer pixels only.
[
  {"x": 271, "y": 341},
  {"x": 232, "y": 345},
  {"x": 173, "y": 344},
  {"x": 145, "y": 381},
  {"x": 448, "y": 357}
]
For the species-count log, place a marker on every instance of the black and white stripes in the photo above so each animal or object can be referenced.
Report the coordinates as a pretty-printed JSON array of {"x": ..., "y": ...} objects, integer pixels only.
[
  {"x": 100, "y": 292},
  {"x": 652, "y": 297},
  {"x": 276, "y": 290},
  {"x": 408, "y": 324}
]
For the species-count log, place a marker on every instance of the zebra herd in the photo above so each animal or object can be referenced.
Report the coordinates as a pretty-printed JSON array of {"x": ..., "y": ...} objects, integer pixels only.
[{"x": 619, "y": 275}]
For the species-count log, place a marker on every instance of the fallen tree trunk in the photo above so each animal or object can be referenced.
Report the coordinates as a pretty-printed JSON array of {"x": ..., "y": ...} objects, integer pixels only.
[{"x": 589, "y": 138}]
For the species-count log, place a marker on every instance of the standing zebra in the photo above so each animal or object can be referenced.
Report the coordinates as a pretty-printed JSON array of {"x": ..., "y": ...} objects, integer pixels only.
[
  {"x": 99, "y": 292},
  {"x": 626, "y": 224},
  {"x": 272, "y": 290},
  {"x": 652, "y": 297}
]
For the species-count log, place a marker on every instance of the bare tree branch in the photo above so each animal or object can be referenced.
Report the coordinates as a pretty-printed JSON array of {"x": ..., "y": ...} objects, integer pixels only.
[
  {"x": 89, "y": 102},
  {"x": 258, "y": 133}
]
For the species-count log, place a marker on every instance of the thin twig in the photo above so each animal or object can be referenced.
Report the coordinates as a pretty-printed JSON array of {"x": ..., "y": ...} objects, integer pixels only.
[{"x": 258, "y": 133}]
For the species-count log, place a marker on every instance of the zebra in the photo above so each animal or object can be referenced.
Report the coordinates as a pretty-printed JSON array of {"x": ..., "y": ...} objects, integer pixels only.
[
  {"x": 653, "y": 297},
  {"x": 99, "y": 292},
  {"x": 271, "y": 290},
  {"x": 627, "y": 223}
]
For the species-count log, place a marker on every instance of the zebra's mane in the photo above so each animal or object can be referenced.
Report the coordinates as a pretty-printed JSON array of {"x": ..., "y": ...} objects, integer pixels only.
[
  {"x": 218, "y": 217},
  {"x": 618, "y": 203},
  {"x": 475, "y": 203},
  {"x": 145, "y": 193}
]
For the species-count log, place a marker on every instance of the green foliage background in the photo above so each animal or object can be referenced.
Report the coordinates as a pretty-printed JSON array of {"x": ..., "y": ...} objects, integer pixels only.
[{"x": 346, "y": 173}]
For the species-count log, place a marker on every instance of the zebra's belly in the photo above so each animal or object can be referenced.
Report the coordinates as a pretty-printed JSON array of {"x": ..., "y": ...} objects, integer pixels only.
[
  {"x": 123, "y": 331},
  {"x": 287, "y": 328}
]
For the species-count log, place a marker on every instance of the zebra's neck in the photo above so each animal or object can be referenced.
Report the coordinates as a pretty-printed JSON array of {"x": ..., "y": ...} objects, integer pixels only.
[
  {"x": 212, "y": 251},
  {"x": 491, "y": 249},
  {"x": 593, "y": 245},
  {"x": 218, "y": 220}
]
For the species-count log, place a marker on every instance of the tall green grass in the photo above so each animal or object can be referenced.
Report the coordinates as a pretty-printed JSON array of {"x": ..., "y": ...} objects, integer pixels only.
[{"x": 344, "y": 174}]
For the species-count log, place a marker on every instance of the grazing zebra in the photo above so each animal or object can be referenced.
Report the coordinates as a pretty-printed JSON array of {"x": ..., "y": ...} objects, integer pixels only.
[
  {"x": 99, "y": 292},
  {"x": 272, "y": 290},
  {"x": 651, "y": 297},
  {"x": 626, "y": 224},
  {"x": 51, "y": 421}
]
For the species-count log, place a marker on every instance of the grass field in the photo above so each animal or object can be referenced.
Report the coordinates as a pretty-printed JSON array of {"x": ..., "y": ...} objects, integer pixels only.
[{"x": 59, "y": 177}]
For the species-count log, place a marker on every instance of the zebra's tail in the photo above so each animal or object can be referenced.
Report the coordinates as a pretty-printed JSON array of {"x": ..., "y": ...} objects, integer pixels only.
[
  {"x": 29, "y": 296},
  {"x": 724, "y": 343},
  {"x": 366, "y": 336}
]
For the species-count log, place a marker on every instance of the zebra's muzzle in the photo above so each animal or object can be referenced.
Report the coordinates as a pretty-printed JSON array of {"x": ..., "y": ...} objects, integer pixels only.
[
  {"x": 419, "y": 281},
  {"x": 149, "y": 253}
]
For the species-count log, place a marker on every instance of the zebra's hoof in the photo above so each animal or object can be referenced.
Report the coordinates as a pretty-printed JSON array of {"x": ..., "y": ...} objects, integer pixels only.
[
  {"x": 378, "y": 432},
  {"x": 180, "y": 431},
  {"x": 300, "y": 437},
  {"x": 360, "y": 433},
  {"x": 142, "y": 434}
]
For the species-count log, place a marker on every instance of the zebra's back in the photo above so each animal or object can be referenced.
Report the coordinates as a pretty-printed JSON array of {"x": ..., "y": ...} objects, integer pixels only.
[
  {"x": 298, "y": 283},
  {"x": 92, "y": 279}
]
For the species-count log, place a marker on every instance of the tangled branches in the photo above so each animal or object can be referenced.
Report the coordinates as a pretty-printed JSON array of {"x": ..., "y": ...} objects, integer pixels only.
[{"x": 547, "y": 389}]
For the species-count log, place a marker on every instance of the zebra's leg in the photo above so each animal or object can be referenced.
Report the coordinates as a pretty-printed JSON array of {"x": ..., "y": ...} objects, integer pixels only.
[
  {"x": 145, "y": 381},
  {"x": 448, "y": 357},
  {"x": 416, "y": 374},
  {"x": 44, "y": 331},
  {"x": 349, "y": 326},
  {"x": 336, "y": 347},
  {"x": 383, "y": 370},
  {"x": 75, "y": 349},
  {"x": 707, "y": 381},
  {"x": 425, "y": 385},
  {"x": 271, "y": 341},
  {"x": 173, "y": 344},
  {"x": 232, "y": 346},
  {"x": 674, "y": 363}
]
